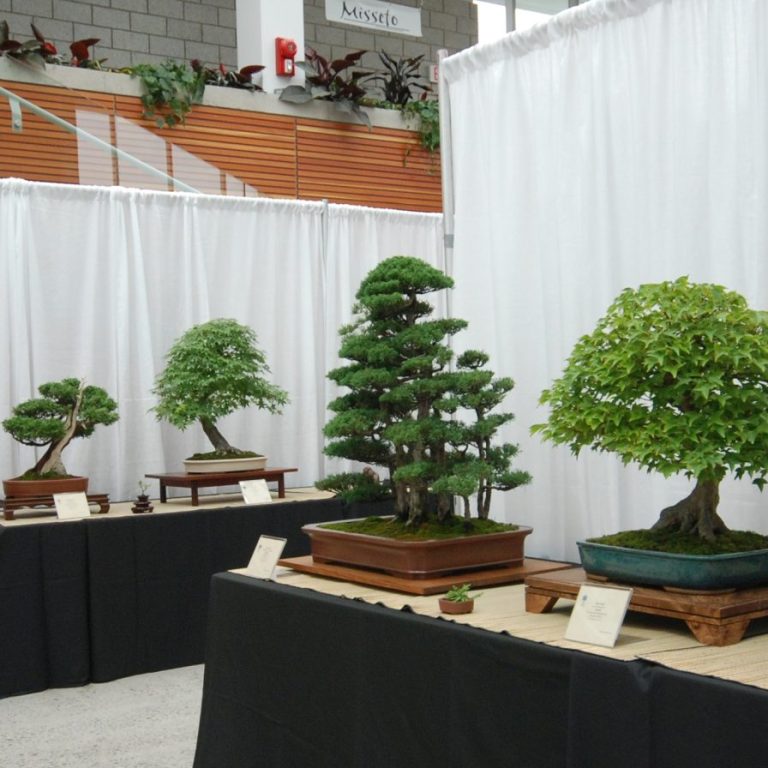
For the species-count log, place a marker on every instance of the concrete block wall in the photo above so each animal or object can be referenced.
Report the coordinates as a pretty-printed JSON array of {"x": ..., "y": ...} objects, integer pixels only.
[
  {"x": 450, "y": 24},
  {"x": 132, "y": 31},
  {"x": 139, "y": 31}
]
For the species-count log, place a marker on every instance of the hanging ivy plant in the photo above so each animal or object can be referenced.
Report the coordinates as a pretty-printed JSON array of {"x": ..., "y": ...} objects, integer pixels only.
[{"x": 170, "y": 90}]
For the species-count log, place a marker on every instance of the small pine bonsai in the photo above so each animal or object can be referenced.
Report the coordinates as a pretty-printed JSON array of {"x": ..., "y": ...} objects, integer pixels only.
[
  {"x": 213, "y": 370},
  {"x": 65, "y": 410},
  {"x": 675, "y": 379},
  {"x": 433, "y": 428}
]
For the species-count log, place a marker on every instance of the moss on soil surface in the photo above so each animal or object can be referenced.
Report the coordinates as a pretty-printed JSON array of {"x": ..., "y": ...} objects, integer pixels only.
[
  {"x": 685, "y": 544},
  {"x": 220, "y": 455},
  {"x": 392, "y": 528}
]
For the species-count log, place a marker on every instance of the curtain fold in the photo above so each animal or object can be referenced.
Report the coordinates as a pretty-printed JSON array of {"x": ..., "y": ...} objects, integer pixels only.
[
  {"x": 623, "y": 142},
  {"x": 97, "y": 283}
]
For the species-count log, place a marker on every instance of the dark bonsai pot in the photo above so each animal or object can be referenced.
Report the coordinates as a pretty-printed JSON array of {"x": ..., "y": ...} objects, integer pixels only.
[
  {"x": 142, "y": 504},
  {"x": 18, "y": 488}
]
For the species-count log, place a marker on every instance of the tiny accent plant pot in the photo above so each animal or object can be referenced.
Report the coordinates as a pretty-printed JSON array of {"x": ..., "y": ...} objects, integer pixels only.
[
  {"x": 451, "y": 606},
  {"x": 225, "y": 465},
  {"x": 142, "y": 504}
]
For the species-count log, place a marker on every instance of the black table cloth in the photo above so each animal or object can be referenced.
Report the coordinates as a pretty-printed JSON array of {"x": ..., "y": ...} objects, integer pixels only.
[
  {"x": 107, "y": 597},
  {"x": 298, "y": 678}
]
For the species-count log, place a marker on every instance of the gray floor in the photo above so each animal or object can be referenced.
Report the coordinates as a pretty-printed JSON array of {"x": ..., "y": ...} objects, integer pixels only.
[{"x": 147, "y": 721}]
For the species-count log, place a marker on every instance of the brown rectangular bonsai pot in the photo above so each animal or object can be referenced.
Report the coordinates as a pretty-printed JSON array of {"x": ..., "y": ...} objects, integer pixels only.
[{"x": 417, "y": 559}]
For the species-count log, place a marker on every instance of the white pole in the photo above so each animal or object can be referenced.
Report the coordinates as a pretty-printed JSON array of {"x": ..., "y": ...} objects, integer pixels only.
[{"x": 446, "y": 166}]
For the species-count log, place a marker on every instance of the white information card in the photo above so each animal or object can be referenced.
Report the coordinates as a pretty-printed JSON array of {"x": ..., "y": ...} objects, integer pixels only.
[
  {"x": 71, "y": 506},
  {"x": 255, "y": 491},
  {"x": 598, "y": 615},
  {"x": 264, "y": 559}
]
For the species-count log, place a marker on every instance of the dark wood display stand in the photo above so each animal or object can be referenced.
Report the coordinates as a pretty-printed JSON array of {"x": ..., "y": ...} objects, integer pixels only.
[
  {"x": 12, "y": 503},
  {"x": 195, "y": 480},
  {"x": 430, "y": 586},
  {"x": 714, "y": 618}
]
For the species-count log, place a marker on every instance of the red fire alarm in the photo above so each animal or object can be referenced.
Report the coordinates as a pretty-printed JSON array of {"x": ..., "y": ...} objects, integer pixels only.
[{"x": 285, "y": 52}]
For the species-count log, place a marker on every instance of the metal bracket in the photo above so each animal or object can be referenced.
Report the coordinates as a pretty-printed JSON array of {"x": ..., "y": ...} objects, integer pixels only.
[{"x": 16, "y": 121}]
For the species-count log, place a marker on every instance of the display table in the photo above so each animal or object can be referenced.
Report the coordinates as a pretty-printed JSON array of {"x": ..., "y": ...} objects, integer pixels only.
[
  {"x": 295, "y": 677},
  {"x": 195, "y": 480},
  {"x": 107, "y": 597}
]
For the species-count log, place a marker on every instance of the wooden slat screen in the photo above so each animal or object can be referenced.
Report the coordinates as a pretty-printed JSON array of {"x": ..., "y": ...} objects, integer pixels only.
[{"x": 278, "y": 155}]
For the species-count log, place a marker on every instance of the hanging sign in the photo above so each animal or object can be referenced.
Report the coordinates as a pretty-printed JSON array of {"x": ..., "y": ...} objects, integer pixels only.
[{"x": 383, "y": 17}]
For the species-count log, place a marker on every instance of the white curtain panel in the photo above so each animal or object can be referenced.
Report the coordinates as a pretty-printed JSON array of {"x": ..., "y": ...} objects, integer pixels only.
[
  {"x": 358, "y": 238},
  {"x": 622, "y": 142}
]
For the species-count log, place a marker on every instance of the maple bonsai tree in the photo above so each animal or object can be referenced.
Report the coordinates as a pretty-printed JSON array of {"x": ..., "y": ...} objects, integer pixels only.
[
  {"x": 432, "y": 427},
  {"x": 65, "y": 410},
  {"x": 214, "y": 369},
  {"x": 675, "y": 379}
]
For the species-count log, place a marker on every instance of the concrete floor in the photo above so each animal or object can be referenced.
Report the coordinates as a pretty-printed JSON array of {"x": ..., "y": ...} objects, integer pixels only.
[{"x": 146, "y": 721}]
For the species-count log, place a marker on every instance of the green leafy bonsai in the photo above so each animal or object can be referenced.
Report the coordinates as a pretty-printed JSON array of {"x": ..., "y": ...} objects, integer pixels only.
[
  {"x": 213, "y": 370},
  {"x": 65, "y": 410},
  {"x": 405, "y": 409},
  {"x": 675, "y": 379}
]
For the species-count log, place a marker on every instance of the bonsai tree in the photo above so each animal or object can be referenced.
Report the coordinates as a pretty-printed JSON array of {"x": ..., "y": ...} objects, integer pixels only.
[
  {"x": 65, "y": 410},
  {"x": 213, "y": 370},
  {"x": 675, "y": 379},
  {"x": 404, "y": 407}
]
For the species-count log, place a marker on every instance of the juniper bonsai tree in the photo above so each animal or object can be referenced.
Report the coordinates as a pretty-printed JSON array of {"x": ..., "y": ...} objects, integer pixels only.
[
  {"x": 675, "y": 379},
  {"x": 65, "y": 410},
  {"x": 212, "y": 370},
  {"x": 404, "y": 406}
]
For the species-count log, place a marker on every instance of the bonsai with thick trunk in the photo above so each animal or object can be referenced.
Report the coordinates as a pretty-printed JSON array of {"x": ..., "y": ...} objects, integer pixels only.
[
  {"x": 407, "y": 410},
  {"x": 66, "y": 410},
  {"x": 675, "y": 379},
  {"x": 211, "y": 371}
]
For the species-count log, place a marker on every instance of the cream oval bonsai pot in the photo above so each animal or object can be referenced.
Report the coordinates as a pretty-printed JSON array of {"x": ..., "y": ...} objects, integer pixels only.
[
  {"x": 212, "y": 370},
  {"x": 673, "y": 379}
]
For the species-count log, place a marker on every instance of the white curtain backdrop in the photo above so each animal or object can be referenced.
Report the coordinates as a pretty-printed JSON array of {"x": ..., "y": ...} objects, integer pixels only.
[
  {"x": 359, "y": 238},
  {"x": 623, "y": 142},
  {"x": 97, "y": 283}
]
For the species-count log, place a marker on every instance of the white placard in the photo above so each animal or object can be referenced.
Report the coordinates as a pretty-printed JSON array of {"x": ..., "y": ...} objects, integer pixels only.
[
  {"x": 263, "y": 562},
  {"x": 375, "y": 15},
  {"x": 255, "y": 491},
  {"x": 598, "y": 615},
  {"x": 71, "y": 506}
]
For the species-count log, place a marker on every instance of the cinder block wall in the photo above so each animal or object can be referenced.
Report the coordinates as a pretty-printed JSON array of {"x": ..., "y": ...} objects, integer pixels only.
[
  {"x": 132, "y": 31},
  {"x": 450, "y": 24},
  {"x": 137, "y": 31}
]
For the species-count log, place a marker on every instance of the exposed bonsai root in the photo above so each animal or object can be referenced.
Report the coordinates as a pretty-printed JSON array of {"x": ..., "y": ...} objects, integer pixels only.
[{"x": 696, "y": 514}]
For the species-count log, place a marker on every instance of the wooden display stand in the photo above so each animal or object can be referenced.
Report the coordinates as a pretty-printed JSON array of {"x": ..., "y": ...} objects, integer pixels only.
[
  {"x": 195, "y": 480},
  {"x": 714, "y": 618},
  {"x": 12, "y": 503},
  {"x": 431, "y": 586}
]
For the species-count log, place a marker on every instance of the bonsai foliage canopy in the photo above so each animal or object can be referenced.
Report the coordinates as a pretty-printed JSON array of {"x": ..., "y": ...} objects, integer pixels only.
[
  {"x": 212, "y": 370},
  {"x": 65, "y": 410},
  {"x": 674, "y": 378},
  {"x": 406, "y": 410}
]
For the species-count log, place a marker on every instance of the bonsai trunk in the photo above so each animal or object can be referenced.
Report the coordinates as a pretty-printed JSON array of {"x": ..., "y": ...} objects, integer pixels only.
[
  {"x": 218, "y": 441},
  {"x": 697, "y": 513},
  {"x": 51, "y": 461}
]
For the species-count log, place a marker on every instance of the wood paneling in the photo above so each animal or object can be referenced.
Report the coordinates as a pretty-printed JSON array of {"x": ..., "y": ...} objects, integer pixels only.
[{"x": 278, "y": 155}]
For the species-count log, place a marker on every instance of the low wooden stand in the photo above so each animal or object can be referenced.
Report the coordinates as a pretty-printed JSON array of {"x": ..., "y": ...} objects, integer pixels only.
[
  {"x": 12, "y": 503},
  {"x": 714, "y": 618},
  {"x": 195, "y": 480},
  {"x": 433, "y": 586}
]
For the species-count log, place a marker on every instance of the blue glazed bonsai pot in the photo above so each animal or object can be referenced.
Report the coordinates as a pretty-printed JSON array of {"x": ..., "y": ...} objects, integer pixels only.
[{"x": 695, "y": 572}]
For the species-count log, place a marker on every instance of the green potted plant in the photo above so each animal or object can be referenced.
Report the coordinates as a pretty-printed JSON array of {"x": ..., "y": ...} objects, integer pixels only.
[
  {"x": 673, "y": 378},
  {"x": 212, "y": 370},
  {"x": 430, "y": 421},
  {"x": 457, "y": 600},
  {"x": 66, "y": 410}
]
